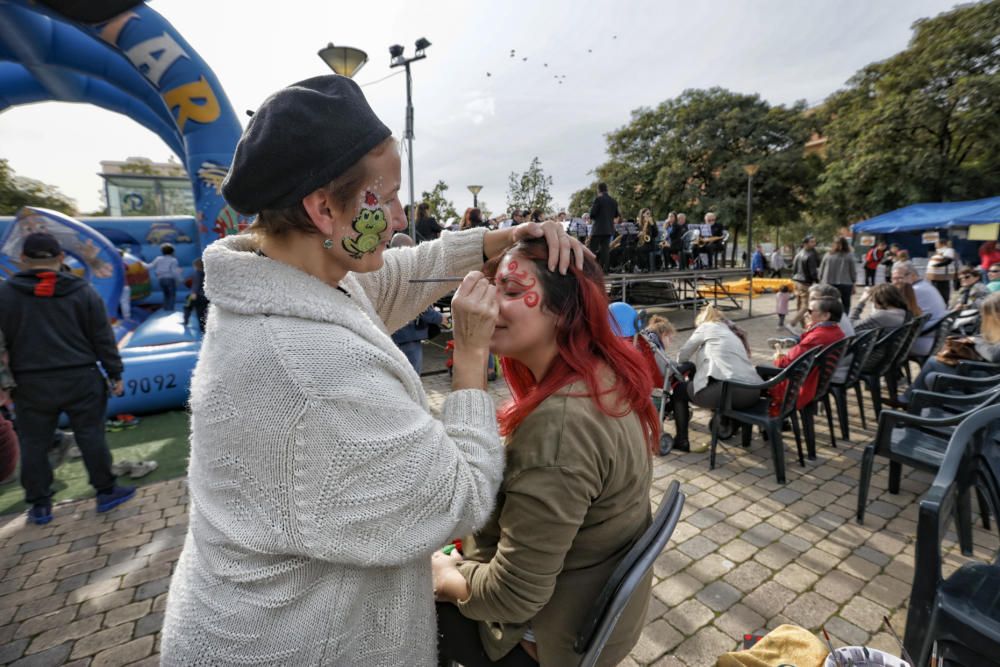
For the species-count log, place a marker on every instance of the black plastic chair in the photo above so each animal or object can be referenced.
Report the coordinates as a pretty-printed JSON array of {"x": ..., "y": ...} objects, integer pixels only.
[
  {"x": 941, "y": 330},
  {"x": 916, "y": 440},
  {"x": 824, "y": 367},
  {"x": 901, "y": 362},
  {"x": 759, "y": 415},
  {"x": 977, "y": 368},
  {"x": 608, "y": 607},
  {"x": 879, "y": 362},
  {"x": 961, "y": 613},
  {"x": 860, "y": 351},
  {"x": 945, "y": 382}
]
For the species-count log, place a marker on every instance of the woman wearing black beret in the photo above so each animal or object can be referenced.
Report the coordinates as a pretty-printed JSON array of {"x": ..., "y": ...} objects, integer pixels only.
[{"x": 320, "y": 482}]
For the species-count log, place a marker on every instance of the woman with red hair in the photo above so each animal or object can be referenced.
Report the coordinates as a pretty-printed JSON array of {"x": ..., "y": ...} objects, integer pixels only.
[{"x": 580, "y": 430}]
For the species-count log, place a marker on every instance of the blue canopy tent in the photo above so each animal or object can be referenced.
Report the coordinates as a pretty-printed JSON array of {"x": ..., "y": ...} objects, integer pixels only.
[
  {"x": 922, "y": 217},
  {"x": 904, "y": 225}
]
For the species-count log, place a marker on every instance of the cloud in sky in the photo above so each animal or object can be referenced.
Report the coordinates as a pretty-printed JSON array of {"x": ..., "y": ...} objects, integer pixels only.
[{"x": 588, "y": 65}]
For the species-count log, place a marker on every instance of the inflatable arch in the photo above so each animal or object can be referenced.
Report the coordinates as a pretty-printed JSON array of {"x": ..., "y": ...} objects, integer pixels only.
[{"x": 125, "y": 57}]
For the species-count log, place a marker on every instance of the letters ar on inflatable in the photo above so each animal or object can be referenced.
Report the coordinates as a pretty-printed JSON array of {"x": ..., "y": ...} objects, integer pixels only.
[
  {"x": 123, "y": 56},
  {"x": 149, "y": 73}
]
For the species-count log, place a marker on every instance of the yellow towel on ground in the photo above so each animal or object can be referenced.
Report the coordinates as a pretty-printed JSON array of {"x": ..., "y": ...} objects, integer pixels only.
[{"x": 785, "y": 645}]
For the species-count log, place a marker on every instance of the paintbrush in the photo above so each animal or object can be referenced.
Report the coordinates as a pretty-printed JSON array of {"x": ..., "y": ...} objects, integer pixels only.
[
  {"x": 833, "y": 653},
  {"x": 442, "y": 279},
  {"x": 906, "y": 654}
]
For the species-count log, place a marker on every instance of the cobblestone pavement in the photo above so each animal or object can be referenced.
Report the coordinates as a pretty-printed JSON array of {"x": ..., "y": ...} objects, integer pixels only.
[{"x": 748, "y": 555}]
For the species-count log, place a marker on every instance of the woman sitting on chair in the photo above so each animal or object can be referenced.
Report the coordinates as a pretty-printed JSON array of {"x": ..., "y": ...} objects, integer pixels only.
[
  {"x": 823, "y": 315},
  {"x": 986, "y": 345},
  {"x": 717, "y": 354},
  {"x": 889, "y": 308},
  {"x": 575, "y": 493}
]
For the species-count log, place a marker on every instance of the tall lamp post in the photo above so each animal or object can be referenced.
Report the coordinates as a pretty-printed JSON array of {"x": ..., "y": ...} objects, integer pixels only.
[
  {"x": 750, "y": 169},
  {"x": 399, "y": 60},
  {"x": 474, "y": 189},
  {"x": 344, "y": 60}
]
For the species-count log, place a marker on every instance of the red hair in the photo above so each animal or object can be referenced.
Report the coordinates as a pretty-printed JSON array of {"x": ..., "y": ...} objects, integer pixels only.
[{"x": 586, "y": 345}]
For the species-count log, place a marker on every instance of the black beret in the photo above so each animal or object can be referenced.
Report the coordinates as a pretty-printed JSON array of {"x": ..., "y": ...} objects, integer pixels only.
[{"x": 300, "y": 139}]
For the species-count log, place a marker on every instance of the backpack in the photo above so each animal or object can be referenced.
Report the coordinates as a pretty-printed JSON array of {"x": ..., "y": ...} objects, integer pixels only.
[{"x": 872, "y": 260}]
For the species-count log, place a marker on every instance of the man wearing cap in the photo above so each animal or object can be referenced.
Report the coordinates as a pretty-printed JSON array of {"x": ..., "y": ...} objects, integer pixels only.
[
  {"x": 805, "y": 273},
  {"x": 57, "y": 332}
]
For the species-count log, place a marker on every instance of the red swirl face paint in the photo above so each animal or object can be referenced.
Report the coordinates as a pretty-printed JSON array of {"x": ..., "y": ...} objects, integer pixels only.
[{"x": 516, "y": 285}]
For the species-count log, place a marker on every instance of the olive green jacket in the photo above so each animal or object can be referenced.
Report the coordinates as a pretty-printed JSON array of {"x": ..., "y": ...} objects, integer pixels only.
[{"x": 574, "y": 498}]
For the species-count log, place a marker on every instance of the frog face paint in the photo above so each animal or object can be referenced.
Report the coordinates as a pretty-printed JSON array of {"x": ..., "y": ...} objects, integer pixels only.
[{"x": 369, "y": 224}]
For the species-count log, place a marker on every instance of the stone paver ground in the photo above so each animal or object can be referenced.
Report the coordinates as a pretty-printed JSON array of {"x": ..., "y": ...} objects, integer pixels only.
[{"x": 748, "y": 555}]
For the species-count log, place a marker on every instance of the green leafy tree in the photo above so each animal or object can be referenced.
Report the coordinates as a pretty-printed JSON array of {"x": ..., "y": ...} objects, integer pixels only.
[
  {"x": 581, "y": 200},
  {"x": 484, "y": 209},
  {"x": 16, "y": 192},
  {"x": 923, "y": 125},
  {"x": 531, "y": 189},
  {"x": 688, "y": 155},
  {"x": 440, "y": 206}
]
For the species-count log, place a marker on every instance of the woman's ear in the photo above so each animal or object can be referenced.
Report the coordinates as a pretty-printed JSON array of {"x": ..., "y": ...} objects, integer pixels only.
[{"x": 321, "y": 210}]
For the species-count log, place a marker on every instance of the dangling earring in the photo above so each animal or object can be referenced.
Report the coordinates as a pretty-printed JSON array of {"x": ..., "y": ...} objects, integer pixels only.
[{"x": 328, "y": 243}]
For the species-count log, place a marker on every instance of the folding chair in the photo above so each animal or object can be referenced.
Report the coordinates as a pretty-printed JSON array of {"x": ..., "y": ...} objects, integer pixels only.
[{"x": 610, "y": 603}]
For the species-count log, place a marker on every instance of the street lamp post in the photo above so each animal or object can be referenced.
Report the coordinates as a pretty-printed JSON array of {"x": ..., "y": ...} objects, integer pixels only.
[
  {"x": 474, "y": 189},
  {"x": 750, "y": 169},
  {"x": 399, "y": 60},
  {"x": 344, "y": 60}
]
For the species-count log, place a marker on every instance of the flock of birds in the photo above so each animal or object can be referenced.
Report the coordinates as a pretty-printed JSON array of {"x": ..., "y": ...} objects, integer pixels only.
[{"x": 558, "y": 77}]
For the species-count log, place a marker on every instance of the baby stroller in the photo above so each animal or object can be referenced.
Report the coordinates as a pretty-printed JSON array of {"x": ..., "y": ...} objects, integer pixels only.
[{"x": 628, "y": 324}]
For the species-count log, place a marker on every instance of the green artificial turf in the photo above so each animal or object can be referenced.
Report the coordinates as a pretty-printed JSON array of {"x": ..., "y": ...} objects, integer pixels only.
[{"x": 162, "y": 438}]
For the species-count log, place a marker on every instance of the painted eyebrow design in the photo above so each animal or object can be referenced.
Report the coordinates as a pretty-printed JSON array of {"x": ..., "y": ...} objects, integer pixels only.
[{"x": 507, "y": 278}]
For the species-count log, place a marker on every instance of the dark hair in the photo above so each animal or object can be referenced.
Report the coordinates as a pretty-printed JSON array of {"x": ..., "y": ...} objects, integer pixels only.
[
  {"x": 602, "y": 187},
  {"x": 472, "y": 218},
  {"x": 586, "y": 345},
  {"x": 886, "y": 295},
  {"x": 828, "y": 304},
  {"x": 971, "y": 272},
  {"x": 343, "y": 190},
  {"x": 841, "y": 245},
  {"x": 167, "y": 249},
  {"x": 909, "y": 298},
  {"x": 536, "y": 215},
  {"x": 422, "y": 210}
]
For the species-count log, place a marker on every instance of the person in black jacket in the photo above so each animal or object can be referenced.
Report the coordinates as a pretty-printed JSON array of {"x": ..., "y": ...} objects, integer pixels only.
[
  {"x": 57, "y": 331},
  {"x": 602, "y": 213},
  {"x": 427, "y": 226},
  {"x": 805, "y": 274}
]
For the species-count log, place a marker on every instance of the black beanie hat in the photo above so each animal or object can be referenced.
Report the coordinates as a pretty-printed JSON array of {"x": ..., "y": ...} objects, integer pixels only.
[{"x": 300, "y": 139}]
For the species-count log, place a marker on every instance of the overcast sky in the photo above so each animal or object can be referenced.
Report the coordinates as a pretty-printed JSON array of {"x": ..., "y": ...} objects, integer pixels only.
[{"x": 472, "y": 128}]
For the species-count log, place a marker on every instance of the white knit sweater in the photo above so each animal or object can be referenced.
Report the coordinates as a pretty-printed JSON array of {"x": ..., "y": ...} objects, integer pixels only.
[{"x": 320, "y": 483}]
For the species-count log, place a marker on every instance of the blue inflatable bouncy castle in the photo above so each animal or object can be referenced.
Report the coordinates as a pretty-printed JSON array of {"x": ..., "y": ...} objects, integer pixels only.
[
  {"x": 123, "y": 56},
  {"x": 159, "y": 351}
]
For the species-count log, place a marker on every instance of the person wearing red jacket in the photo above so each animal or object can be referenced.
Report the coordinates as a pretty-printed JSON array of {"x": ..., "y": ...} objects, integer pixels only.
[
  {"x": 824, "y": 316},
  {"x": 989, "y": 254}
]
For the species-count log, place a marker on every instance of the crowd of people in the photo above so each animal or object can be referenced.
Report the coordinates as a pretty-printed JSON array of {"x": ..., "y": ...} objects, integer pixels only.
[
  {"x": 621, "y": 244},
  {"x": 323, "y": 487}
]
